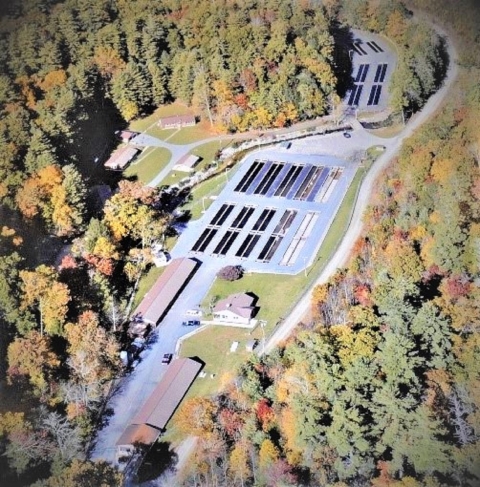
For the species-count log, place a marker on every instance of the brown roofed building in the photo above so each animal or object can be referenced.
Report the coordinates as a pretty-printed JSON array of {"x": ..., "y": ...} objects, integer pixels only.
[
  {"x": 236, "y": 308},
  {"x": 136, "y": 434},
  {"x": 165, "y": 290},
  {"x": 186, "y": 163},
  {"x": 121, "y": 157},
  {"x": 151, "y": 420},
  {"x": 127, "y": 135},
  {"x": 177, "y": 121}
]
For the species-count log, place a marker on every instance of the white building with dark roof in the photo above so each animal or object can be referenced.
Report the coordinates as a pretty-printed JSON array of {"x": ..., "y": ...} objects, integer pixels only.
[{"x": 236, "y": 309}]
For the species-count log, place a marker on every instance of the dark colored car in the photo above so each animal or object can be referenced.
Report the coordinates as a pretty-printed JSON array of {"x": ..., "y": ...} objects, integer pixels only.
[
  {"x": 167, "y": 358},
  {"x": 191, "y": 323}
]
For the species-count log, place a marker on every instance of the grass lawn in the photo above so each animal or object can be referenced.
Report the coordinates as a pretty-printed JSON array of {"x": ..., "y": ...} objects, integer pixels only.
[
  {"x": 187, "y": 135},
  {"x": 388, "y": 132},
  {"x": 372, "y": 153},
  {"x": 149, "y": 164},
  {"x": 174, "y": 177},
  {"x": 211, "y": 187},
  {"x": 213, "y": 344},
  {"x": 208, "y": 151},
  {"x": 159, "y": 133}
]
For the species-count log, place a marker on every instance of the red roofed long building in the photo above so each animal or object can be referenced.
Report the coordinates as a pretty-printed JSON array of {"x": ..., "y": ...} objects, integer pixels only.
[
  {"x": 165, "y": 290},
  {"x": 151, "y": 420},
  {"x": 121, "y": 157},
  {"x": 177, "y": 121}
]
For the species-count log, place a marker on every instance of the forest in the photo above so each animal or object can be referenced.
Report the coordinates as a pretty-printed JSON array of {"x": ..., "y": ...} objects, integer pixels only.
[{"x": 382, "y": 387}]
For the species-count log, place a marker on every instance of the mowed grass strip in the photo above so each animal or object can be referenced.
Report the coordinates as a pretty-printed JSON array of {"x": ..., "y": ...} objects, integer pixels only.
[
  {"x": 212, "y": 346},
  {"x": 208, "y": 151},
  {"x": 187, "y": 135},
  {"x": 149, "y": 164}
]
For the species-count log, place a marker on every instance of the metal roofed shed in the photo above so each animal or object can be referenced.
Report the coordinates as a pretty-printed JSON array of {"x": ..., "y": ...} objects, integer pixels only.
[
  {"x": 168, "y": 394},
  {"x": 165, "y": 290},
  {"x": 186, "y": 163},
  {"x": 126, "y": 135},
  {"x": 151, "y": 420},
  {"x": 121, "y": 157},
  {"x": 136, "y": 434}
]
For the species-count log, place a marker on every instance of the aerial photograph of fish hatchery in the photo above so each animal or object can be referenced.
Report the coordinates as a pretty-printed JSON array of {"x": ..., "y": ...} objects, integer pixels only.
[{"x": 239, "y": 243}]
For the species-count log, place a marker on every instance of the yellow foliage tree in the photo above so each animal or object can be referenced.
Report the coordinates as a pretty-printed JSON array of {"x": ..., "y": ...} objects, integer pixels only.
[
  {"x": 31, "y": 356},
  {"x": 238, "y": 464},
  {"x": 268, "y": 454},
  {"x": 195, "y": 416},
  {"x": 42, "y": 290}
]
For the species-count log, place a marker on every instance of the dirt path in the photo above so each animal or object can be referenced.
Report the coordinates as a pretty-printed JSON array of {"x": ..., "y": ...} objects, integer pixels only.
[{"x": 354, "y": 231}]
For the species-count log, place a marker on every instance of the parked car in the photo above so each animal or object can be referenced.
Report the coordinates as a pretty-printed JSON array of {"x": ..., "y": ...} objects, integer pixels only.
[
  {"x": 167, "y": 358},
  {"x": 191, "y": 323},
  {"x": 347, "y": 135}
]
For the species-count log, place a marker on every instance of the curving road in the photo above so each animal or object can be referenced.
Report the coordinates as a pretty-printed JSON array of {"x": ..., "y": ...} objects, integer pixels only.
[{"x": 354, "y": 231}]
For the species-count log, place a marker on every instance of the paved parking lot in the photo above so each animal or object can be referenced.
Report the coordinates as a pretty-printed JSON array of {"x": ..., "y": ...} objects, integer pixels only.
[{"x": 273, "y": 214}]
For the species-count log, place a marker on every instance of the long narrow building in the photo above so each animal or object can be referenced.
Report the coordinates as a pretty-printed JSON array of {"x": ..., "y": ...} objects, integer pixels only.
[
  {"x": 163, "y": 293},
  {"x": 151, "y": 420}
]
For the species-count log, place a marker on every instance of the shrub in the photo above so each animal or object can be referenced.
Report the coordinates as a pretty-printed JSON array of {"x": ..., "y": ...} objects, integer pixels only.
[{"x": 230, "y": 272}]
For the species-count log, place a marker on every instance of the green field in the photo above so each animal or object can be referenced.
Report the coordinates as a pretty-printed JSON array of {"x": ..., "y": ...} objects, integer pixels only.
[
  {"x": 149, "y": 164},
  {"x": 187, "y": 135},
  {"x": 208, "y": 151},
  {"x": 174, "y": 177},
  {"x": 213, "y": 347}
]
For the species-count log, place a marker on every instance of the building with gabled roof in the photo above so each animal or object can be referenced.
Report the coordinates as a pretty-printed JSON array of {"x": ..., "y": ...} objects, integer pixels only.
[
  {"x": 165, "y": 290},
  {"x": 186, "y": 163},
  {"x": 121, "y": 157},
  {"x": 237, "y": 308},
  {"x": 151, "y": 420},
  {"x": 177, "y": 121}
]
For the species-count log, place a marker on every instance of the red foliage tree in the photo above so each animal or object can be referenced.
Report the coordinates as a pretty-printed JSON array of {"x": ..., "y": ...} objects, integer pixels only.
[{"x": 265, "y": 414}]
